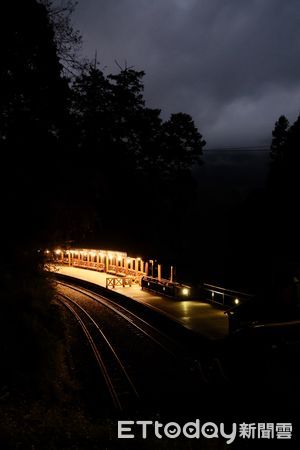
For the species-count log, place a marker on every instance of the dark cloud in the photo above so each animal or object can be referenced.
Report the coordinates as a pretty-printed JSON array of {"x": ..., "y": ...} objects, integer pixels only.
[{"x": 233, "y": 64}]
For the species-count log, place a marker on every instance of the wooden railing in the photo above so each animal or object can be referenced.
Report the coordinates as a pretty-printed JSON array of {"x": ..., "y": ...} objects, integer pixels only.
[
  {"x": 111, "y": 268},
  {"x": 118, "y": 281},
  {"x": 88, "y": 264}
]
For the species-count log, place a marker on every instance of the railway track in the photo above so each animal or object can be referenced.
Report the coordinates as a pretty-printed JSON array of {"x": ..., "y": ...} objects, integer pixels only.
[
  {"x": 151, "y": 332},
  {"x": 121, "y": 388},
  {"x": 145, "y": 334}
]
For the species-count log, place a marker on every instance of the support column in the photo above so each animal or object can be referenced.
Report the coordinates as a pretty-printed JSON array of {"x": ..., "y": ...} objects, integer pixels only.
[
  {"x": 152, "y": 267},
  {"x": 172, "y": 274},
  {"x": 159, "y": 272}
]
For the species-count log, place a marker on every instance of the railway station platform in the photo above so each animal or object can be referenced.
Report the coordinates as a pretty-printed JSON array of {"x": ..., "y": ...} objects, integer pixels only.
[{"x": 201, "y": 317}]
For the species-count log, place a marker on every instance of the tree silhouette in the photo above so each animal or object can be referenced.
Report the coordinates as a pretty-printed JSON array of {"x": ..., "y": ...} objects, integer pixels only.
[
  {"x": 32, "y": 114},
  {"x": 77, "y": 146},
  {"x": 124, "y": 143},
  {"x": 67, "y": 39},
  {"x": 111, "y": 113},
  {"x": 285, "y": 157},
  {"x": 279, "y": 138},
  {"x": 283, "y": 195},
  {"x": 293, "y": 144},
  {"x": 182, "y": 143}
]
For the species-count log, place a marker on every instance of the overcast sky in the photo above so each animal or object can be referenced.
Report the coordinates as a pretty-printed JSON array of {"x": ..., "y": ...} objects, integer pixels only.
[{"x": 234, "y": 65}]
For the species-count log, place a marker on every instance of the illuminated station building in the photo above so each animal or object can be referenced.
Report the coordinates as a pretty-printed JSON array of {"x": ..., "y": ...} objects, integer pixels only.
[
  {"x": 120, "y": 264},
  {"x": 114, "y": 262}
]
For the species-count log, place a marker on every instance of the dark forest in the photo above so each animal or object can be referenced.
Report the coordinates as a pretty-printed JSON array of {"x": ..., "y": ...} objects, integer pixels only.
[{"x": 86, "y": 163}]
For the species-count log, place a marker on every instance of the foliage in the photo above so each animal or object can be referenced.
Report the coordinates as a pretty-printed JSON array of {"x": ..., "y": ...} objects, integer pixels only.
[
  {"x": 285, "y": 154},
  {"x": 279, "y": 138},
  {"x": 33, "y": 112},
  {"x": 91, "y": 131},
  {"x": 67, "y": 40},
  {"x": 284, "y": 191},
  {"x": 129, "y": 152},
  {"x": 116, "y": 126}
]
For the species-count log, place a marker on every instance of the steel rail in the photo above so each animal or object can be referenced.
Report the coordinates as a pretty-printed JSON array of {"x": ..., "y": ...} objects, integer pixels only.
[
  {"x": 105, "y": 372},
  {"x": 109, "y": 304}
]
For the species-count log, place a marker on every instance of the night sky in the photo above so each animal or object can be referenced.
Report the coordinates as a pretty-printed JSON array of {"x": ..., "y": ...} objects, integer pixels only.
[{"x": 232, "y": 64}]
